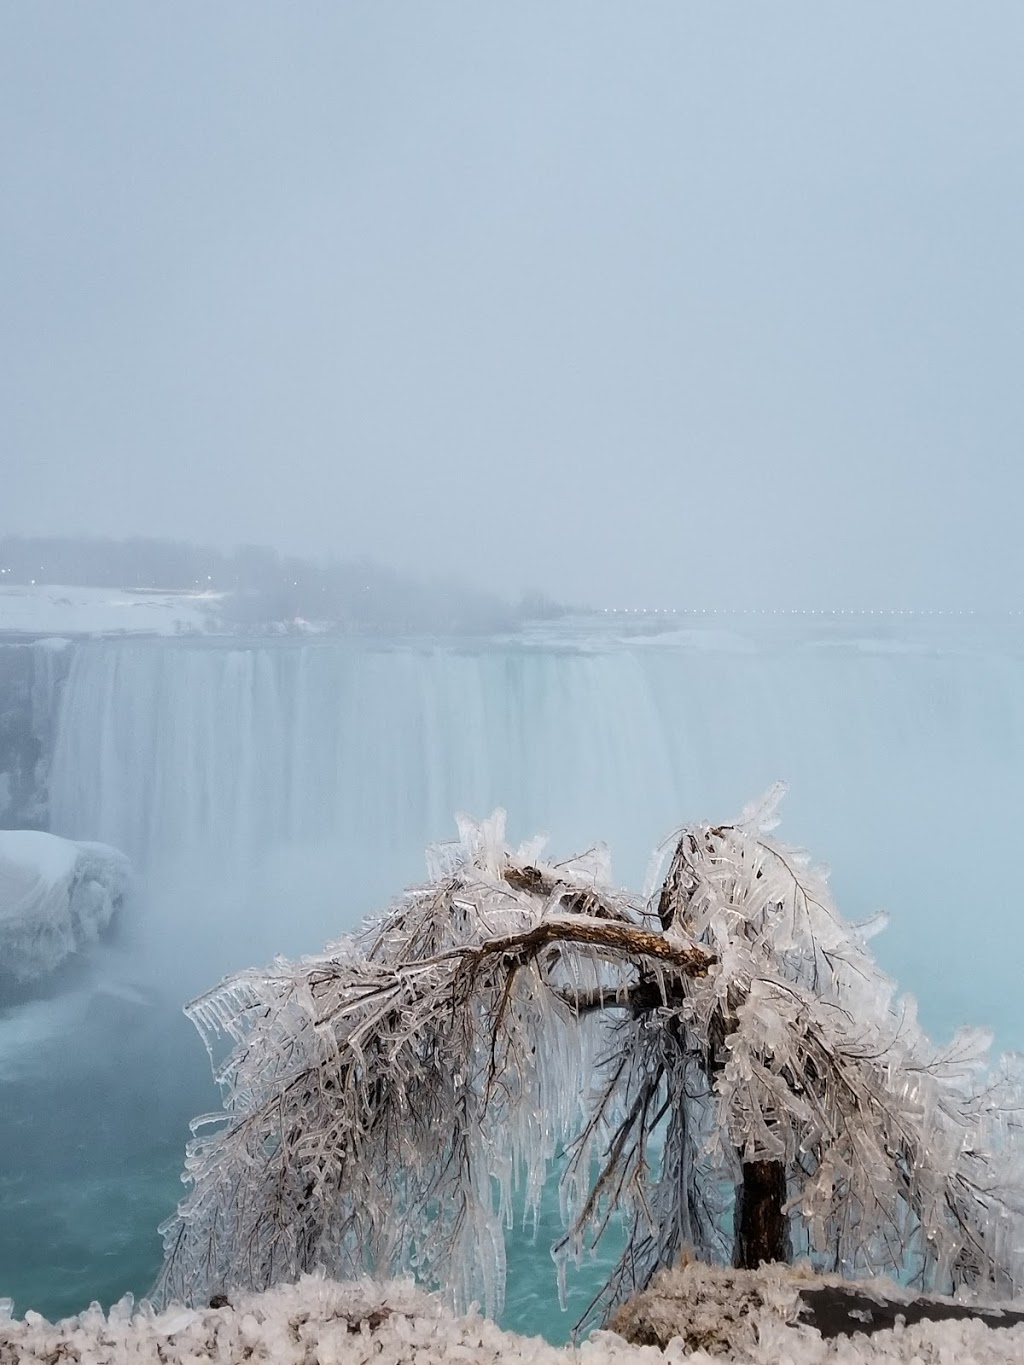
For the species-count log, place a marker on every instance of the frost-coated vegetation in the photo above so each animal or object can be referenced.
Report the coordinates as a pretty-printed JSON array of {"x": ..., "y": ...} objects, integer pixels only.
[
  {"x": 394, "y": 1104},
  {"x": 744, "y": 1317}
]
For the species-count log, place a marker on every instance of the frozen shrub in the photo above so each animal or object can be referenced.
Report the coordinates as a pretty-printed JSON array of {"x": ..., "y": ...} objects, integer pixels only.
[{"x": 395, "y": 1103}]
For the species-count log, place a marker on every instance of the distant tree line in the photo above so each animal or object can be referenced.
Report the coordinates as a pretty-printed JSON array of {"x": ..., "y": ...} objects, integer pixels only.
[{"x": 262, "y": 586}]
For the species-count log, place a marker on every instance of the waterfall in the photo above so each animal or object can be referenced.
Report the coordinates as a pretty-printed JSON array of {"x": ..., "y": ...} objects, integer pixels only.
[
  {"x": 270, "y": 792},
  {"x": 307, "y": 777}
]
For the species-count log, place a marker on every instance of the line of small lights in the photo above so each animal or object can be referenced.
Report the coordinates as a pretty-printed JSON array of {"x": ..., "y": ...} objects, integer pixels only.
[{"x": 808, "y": 611}]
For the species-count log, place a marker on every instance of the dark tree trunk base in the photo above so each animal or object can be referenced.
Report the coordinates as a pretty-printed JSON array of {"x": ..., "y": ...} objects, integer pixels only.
[{"x": 761, "y": 1228}]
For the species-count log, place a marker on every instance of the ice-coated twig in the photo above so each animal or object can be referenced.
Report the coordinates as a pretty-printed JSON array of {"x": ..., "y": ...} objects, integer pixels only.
[{"x": 395, "y": 1103}]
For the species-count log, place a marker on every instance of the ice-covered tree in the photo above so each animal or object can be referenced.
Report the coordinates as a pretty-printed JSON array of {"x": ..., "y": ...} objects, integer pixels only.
[{"x": 721, "y": 1064}]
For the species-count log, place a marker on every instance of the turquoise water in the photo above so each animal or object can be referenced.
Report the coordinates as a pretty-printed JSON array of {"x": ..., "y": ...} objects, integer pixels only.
[
  {"x": 270, "y": 794},
  {"x": 81, "y": 1201}
]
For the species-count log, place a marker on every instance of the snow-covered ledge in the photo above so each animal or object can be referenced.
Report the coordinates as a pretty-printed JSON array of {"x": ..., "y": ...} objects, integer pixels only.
[
  {"x": 318, "y": 1320},
  {"x": 56, "y": 897},
  {"x": 731, "y": 1314}
]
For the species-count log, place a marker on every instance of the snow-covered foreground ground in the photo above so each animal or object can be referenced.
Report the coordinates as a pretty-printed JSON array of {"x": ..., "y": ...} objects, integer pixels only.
[{"x": 318, "y": 1322}]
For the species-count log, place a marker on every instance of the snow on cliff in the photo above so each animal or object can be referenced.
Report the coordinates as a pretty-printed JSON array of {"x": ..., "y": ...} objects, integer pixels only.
[
  {"x": 52, "y": 609},
  {"x": 56, "y": 896}
]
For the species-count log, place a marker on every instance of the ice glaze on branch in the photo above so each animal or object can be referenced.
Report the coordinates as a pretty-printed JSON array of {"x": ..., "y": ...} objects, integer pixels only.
[
  {"x": 384, "y": 1102},
  {"x": 622, "y": 938}
]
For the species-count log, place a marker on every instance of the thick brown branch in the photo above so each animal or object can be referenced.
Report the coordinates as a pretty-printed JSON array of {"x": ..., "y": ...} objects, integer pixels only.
[
  {"x": 578, "y": 900},
  {"x": 691, "y": 960}
]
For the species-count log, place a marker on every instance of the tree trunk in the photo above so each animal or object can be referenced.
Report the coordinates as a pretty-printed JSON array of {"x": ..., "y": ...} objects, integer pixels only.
[{"x": 761, "y": 1227}]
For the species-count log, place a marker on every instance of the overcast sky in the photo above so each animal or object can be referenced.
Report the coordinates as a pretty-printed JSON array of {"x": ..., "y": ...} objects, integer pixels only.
[{"x": 711, "y": 303}]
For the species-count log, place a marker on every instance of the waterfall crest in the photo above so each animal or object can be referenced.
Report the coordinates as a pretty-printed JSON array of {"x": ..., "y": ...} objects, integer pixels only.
[{"x": 321, "y": 769}]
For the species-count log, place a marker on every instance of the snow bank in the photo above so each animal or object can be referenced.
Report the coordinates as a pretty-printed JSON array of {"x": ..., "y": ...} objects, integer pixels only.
[
  {"x": 53, "y": 609},
  {"x": 56, "y": 896},
  {"x": 322, "y": 1322},
  {"x": 733, "y": 1314}
]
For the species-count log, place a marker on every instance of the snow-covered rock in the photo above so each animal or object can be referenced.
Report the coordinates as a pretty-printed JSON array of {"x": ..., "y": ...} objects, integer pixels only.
[
  {"x": 745, "y": 1314},
  {"x": 56, "y": 897}
]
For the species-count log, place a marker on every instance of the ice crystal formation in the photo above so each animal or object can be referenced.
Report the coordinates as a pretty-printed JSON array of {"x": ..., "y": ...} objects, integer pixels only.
[
  {"x": 56, "y": 898},
  {"x": 720, "y": 1063},
  {"x": 750, "y": 1318}
]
